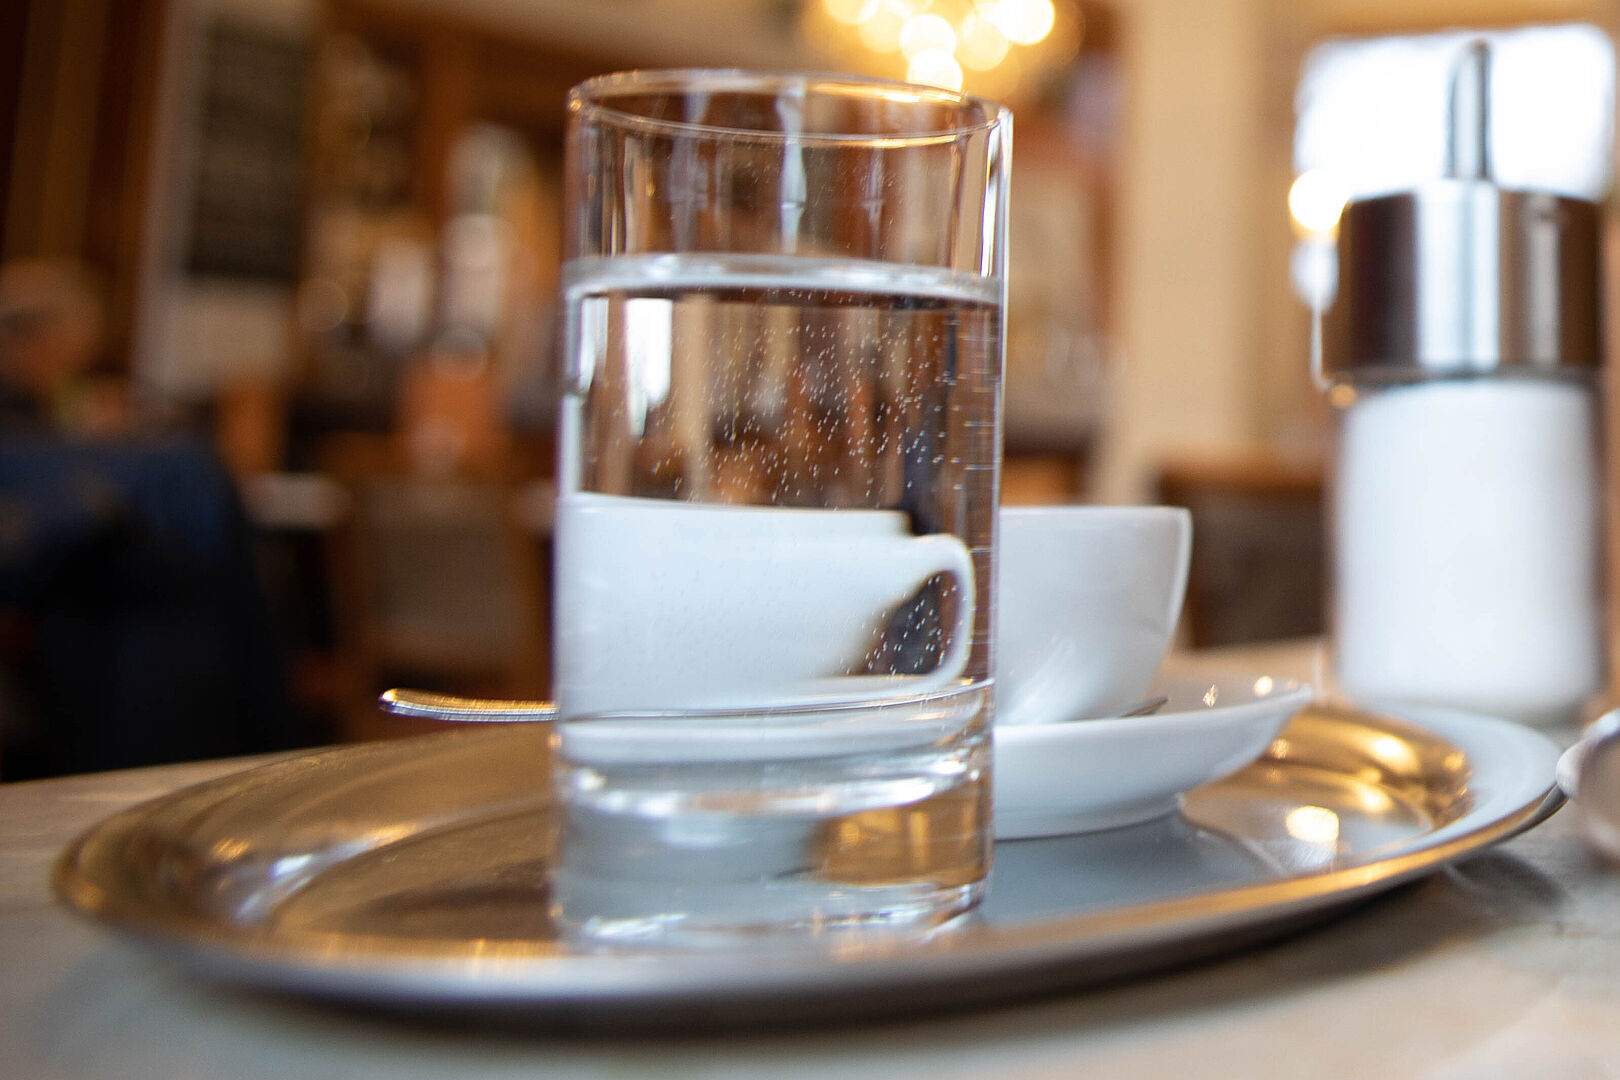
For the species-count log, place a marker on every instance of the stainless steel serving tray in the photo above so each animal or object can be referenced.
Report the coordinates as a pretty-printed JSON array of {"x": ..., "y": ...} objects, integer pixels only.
[{"x": 410, "y": 874}]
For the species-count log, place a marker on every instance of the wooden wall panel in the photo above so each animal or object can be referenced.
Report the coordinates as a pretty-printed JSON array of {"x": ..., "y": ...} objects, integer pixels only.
[{"x": 77, "y": 96}]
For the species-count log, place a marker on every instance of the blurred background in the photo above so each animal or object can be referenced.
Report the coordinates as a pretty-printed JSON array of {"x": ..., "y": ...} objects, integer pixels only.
[{"x": 299, "y": 259}]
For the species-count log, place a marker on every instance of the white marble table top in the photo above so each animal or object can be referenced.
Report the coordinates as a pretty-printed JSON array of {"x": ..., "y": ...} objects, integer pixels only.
[{"x": 1505, "y": 966}]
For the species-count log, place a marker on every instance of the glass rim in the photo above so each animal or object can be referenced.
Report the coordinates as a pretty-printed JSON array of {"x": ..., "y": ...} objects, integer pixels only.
[{"x": 593, "y": 98}]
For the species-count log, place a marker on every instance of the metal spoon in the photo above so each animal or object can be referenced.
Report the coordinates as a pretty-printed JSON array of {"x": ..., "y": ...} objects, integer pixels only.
[
  {"x": 427, "y": 705},
  {"x": 1144, "y": 708},
  {"x": 424, "y": 704},
  {"x": 1589, "y": 773}
]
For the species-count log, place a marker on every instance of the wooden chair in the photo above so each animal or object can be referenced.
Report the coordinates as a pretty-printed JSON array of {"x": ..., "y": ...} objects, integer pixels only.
[
  {"x": 438, "y": 583},
  {"x": 1259, "y": 559}
]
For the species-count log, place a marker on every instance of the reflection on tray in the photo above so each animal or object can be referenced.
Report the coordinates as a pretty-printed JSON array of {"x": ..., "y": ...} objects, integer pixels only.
[{"x": 1157, "y": 860}]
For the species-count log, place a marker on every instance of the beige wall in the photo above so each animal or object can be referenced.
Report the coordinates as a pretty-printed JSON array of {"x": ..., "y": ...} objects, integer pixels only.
[{"x": 1187, "y": 308}]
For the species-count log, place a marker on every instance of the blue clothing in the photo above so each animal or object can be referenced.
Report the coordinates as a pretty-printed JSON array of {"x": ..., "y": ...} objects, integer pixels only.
[{"x": 130, "y": 563}]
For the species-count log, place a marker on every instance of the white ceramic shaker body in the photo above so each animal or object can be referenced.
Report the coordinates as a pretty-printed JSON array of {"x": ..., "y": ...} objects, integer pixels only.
[{"x": 1466, "y": 560}]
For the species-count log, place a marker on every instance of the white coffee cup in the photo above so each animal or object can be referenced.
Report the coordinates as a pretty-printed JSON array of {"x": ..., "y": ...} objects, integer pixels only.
[
  {"x": 1087, "y": 601},
  {"x": 662, "y": 604}
]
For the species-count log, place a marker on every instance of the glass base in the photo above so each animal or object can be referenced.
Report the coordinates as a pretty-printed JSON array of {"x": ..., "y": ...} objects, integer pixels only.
[
  {"x": 663, "y": 850},
  {"x": 720, "y": 918}
]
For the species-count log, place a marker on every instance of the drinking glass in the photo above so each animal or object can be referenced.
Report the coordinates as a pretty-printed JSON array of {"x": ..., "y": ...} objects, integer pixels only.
[{"x": 779, "y": 450}]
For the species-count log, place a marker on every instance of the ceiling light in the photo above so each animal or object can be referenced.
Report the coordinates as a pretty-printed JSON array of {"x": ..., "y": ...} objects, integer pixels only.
[
  {"x": 935, "y": 67},
  {"x": 982, "y": 44},
  {"x": 1023, "y": 21},
  {"x": 924, "y": 32}
]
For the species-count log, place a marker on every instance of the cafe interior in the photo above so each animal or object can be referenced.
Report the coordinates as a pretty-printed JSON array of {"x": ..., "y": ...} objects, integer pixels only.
[
  {"x": 322, "y": 240},
  {"x": 292, "y": 269}
]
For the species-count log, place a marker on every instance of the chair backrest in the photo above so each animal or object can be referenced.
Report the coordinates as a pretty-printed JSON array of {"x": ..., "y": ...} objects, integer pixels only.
[
  {"x": 445, "y": 578},
  {"x": 1259, "y": 558},
  {"x": 437, "y": 578}
]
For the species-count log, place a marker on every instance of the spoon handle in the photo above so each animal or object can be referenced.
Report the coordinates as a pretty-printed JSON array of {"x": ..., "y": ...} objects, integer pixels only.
[
  {"x": 1589, "y": 773},
  {"x": 424, "y": 704},
  {"x": 427, "y": 705}
]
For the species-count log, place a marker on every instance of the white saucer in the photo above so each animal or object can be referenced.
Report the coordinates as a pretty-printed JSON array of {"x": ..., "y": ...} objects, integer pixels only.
[{"x": 1085, "y": 775}]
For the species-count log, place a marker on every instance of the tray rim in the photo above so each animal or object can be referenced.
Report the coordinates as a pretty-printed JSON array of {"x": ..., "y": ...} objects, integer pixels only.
[{"x": 442, "y": 972}]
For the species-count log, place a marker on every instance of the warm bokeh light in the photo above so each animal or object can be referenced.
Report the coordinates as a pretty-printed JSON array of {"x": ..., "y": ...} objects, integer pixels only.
[
  {"x": 1001, "y": 81},
  {"x": 847, "y": 12},
  {"x": 935, "y": 67},
  {"x": 1023, "y": 21},
  {"x": 923, "y": 33},
  {"x": 881, "y": 22},
  {"x": 1316, "y": 200},
  {"x": 982, "y": 44},
  {"x": 994, "y": 48},
  {"x": 1342, "y": 396}
]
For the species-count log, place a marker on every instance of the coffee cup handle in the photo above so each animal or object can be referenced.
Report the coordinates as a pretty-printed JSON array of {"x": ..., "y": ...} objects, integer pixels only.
[{"x": 942, "y": 553}]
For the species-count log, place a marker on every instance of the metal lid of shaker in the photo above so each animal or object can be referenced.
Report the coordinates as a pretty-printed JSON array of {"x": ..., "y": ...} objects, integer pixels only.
[{"x": 1460, "y": 276}]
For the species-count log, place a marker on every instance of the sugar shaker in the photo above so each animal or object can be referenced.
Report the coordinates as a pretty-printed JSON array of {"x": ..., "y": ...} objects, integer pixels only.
[{"x": 1461, "y": 354}]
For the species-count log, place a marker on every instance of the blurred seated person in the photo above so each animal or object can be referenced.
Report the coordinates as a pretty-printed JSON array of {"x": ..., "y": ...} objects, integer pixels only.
[
  {"x": 132, "y": 629},
  {"x": 52, "y": 375}
]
